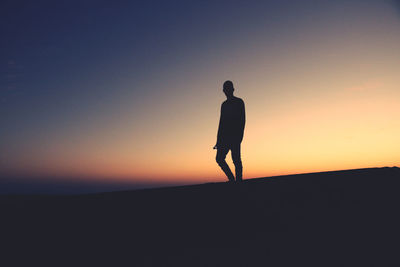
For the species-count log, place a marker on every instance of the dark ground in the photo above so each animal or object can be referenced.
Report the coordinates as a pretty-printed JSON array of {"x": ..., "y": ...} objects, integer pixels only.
[{"x": 342, "y": 218}]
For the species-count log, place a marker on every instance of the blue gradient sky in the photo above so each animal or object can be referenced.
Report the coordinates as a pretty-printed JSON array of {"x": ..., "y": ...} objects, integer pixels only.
[{"x": 130, "y": 91}]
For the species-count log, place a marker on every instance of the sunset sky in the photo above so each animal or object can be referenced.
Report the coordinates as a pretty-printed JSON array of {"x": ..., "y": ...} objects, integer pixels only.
[{"x": 130, "y": 91}]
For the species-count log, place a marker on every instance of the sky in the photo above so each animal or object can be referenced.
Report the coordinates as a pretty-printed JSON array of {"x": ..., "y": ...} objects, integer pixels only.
[{"x": 128, "y": 93}]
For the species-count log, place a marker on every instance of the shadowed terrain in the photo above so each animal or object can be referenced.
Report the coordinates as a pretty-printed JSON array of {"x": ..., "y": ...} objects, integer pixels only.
[{"x": 340, "y": 218}]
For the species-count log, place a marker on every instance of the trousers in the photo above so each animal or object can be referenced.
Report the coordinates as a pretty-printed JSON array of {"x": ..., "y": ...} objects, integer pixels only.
[{"x": 236, "y": 158}]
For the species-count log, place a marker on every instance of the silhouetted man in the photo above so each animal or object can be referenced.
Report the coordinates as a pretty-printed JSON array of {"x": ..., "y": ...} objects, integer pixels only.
[{"x": 230, "y": 132}]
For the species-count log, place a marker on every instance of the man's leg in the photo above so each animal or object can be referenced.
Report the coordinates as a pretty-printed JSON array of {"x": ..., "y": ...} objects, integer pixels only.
[
  {"x": 220, "y": 158},
  {"x": 236, "y": 158}
]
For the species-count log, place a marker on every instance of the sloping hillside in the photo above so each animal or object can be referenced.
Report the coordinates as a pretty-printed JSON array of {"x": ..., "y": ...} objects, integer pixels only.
[{"x": 341, "y": 218}]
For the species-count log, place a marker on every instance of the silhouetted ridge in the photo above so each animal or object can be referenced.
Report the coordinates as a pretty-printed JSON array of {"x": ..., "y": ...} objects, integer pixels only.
[{"x": 333, "y": 218}]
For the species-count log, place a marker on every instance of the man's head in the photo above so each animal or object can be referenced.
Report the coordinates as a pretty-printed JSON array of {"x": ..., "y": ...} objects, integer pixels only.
[{"x": 228, "y": 88}]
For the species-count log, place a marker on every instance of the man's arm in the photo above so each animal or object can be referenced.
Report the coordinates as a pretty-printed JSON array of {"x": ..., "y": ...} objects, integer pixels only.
[
  {"x": 242, "y": 119},
  {"x": 219, "y": 134}
]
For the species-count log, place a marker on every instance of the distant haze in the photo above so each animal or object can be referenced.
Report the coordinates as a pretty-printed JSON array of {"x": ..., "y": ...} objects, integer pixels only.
[{"x": 131, "y": 92}]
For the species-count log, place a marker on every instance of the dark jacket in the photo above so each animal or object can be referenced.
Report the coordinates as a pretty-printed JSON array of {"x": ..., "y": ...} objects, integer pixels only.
[{"x": 231, "y": 123}]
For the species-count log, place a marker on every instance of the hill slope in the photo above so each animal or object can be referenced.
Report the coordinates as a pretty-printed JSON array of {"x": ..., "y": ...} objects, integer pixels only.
[{"x": 345, "y": 218}]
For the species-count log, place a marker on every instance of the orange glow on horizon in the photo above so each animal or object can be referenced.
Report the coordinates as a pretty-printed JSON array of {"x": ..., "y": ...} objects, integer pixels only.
[{"x": 321, "y": 96}]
